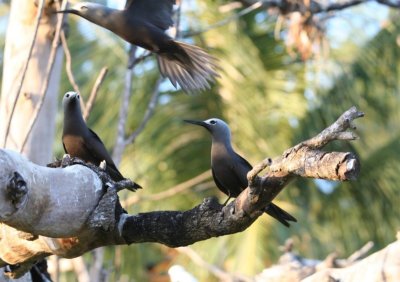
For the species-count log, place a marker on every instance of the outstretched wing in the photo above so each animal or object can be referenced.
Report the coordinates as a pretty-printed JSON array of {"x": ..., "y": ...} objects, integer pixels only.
[{"x": 157, "y": 12}]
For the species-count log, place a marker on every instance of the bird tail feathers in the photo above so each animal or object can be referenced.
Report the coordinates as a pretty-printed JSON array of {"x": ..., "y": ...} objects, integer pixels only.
[
  {"x": 279, "y": 214},
  {"x": 189, "y": 66},
  {"x": 117, "y": 176}
]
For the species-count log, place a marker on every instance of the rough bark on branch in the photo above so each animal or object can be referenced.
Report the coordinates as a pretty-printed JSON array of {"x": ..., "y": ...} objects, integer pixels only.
[{"x": 79, "y": 205}]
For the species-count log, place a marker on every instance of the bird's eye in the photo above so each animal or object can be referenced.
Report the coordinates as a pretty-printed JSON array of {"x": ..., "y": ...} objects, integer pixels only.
[
  {"x": 77, "y": 96},
  {"x": 67, "y": 95},
  {"x": 213, "y": 121}
]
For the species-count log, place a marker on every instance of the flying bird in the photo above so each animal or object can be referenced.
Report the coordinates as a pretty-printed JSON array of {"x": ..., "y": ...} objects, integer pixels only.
[
  {"x": 81, "y": 142},
  {"x": 229, "y": 169},
  {"x": 143, "y": 23}
]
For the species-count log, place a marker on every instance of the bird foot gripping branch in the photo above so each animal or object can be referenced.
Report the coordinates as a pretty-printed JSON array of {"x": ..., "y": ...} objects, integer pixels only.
[
  {"x": 62, "y": 209},
  {"x": 103, "y": 215},
  {"x": 76, "y": 213},
  {"x": 101, "y": 171},
  {"x": 251, "y": 175},
  {"x": 303, "y": 160}
]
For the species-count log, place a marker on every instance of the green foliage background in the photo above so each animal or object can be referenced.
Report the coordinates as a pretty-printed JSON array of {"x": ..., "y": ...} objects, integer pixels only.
[{"x": 271, "y": 101}]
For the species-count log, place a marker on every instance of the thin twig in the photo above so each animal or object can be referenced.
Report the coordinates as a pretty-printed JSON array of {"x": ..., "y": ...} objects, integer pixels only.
[
  {"x": 394, "y": 4},
  {"x": 315, "y": 8},
  {"x": 56, "y": 263},
  {"x": 49, "y": 69},
  {"x": 148, "y": 114},
  {"x": 337, "y": 131},
  {"x": 97, "y": 272},
  {"x": 178, "y": 19},
  {"x": 122, "y": 142},
  {"x": 94, "y": 92},
  {"x": 226, "y": 8},
  {"x": 215, "y": 270},
  {"x": 181, "y": 187},
  {"x": 141, "y": 58},
  {"x": 225, "y": 21},
  {"x": 357, "y": 255},
  {"x": 68, "y": 63},
  {"x": 197, "y": 259},
  {"x": 123, "y": 112},
  {"x": 68, "y": 68},
  {"x": 86, "y": 108},
  {"x": 257, "y": 169},
  {"x": 25, "y": 68},
  {"x": 80, "y": 269},
  {"x": 156, "y": 92},
  {"x": 132, "y": 57}
]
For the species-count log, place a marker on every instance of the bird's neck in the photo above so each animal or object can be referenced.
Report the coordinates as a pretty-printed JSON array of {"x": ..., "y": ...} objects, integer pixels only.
[
  {"x": 105, "y": 17},
  {"x": 73, "y": 121},
  {"x": 221, "y": 145}
]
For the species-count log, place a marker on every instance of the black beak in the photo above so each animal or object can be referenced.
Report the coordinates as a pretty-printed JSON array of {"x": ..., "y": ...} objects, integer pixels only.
[
  {"x": 197, "y": 122},
  {"x": 66, "y": 12}
]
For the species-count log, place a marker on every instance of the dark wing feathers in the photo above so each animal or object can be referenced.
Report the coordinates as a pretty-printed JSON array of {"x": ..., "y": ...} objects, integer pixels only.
[
  {"x": 273, "y": 210},
  {"x": 218, "y": 183},
  {"x": 96, "y": 147},
  {"x": 244, "y": 162},
  {"x": 157, "y": 12},
  {"x": 241, "y": 168},
  {"x": 279, "y": 214},
  {"x": 234, "y": 179},
  {"x": 65, "y": 149}
]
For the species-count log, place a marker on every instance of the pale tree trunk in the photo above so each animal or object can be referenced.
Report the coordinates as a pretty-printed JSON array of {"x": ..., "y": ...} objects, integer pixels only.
[
  {"x": 20, "y": 33},
  {"x": 19, "y": 37}
]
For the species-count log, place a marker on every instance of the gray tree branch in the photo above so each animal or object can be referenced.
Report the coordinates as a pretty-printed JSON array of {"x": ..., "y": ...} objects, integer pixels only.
[
  {"x": 286, "y": 7},
  {"x": 35, "y": 200}
]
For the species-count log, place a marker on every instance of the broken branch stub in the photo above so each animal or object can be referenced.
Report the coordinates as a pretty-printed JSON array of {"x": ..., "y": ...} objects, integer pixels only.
[
  {"x": 306, "y": 162},
  {"x": 303, "y": 160},
  {"x": 336, "y": 131}
]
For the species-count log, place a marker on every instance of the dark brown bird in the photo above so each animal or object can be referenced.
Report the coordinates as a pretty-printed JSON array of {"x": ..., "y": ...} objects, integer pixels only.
[
  {"x": 81, "y": 142},
  {"x": 229, "y": 169},
  {"x": 143, "y": 23}
]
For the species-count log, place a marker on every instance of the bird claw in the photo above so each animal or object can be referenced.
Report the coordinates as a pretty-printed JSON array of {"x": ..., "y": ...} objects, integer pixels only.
[
  {"x": 66, "y": 160},
  {"x": 103, "y": 165}
]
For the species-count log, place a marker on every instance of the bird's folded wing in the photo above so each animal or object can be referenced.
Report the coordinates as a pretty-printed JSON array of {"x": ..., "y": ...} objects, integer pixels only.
[
  {"x": 157, "y": 12},
  {"x": 242, "y": 167},
  {"x": 97, "y": 149},
  {"x": 221, "y": 187}
]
